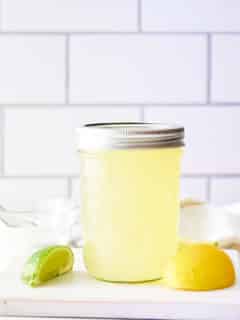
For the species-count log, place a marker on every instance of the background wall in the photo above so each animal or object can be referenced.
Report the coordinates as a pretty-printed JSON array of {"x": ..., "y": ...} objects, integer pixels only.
[{"x": 66, "y": 62}]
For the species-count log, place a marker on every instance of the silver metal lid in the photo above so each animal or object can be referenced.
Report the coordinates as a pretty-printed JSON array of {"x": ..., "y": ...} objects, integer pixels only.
[{"x": 124, "y": 135}]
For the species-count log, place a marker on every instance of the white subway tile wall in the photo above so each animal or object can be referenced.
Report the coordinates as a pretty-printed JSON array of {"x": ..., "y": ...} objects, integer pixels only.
[
  {"x": 25, "y": 193},
  {"x": 212, "y": 137},
  {"x": 75, "y": 190},
  {"x": 70, "y": 15},
  {"x": 225, "y": 190},
  {"x": 66, "y": 62},
  {"x": 190, "y": 15},
  {"x": 32, "y": 69},
  {"x": 194, "y": 188},
  {"x": 42, "y": 141},
  {"x": 143, "y": 69},
  {"x": 225, "y": 68}
]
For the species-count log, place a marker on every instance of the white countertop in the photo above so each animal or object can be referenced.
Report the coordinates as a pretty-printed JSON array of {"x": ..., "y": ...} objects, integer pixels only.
[{"x": 80, "y": 296}]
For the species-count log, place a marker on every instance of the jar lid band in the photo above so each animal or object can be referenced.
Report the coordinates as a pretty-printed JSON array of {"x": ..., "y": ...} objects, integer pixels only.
[{"x": 124, "y": 135}]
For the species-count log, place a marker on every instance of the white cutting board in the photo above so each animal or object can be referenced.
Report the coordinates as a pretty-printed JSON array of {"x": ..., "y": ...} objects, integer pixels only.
[{"x": 78, "y": 295}]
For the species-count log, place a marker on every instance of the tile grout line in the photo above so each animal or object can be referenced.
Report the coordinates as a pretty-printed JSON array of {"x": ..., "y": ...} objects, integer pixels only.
[
  {"x": 1, "y": 16},
  {"x": 38, "y": 176},
  {"x": 208, "y": 189},
  {"x": 69, "y": 187},
  {"x": 109, "y": 104},
  {"x": 115, "y": 32},
  {"x": 212, "y": 175},
  {"x": 122, "y": 104},
  {"x": 141, "y": 115},
  {"x": 73, "y": 176},
  {"x": 104, "y": 32},
  {"x": 67, "y": 70},
  {"x": 139, "y": 15},
  {"x": 209, "y": 68}
]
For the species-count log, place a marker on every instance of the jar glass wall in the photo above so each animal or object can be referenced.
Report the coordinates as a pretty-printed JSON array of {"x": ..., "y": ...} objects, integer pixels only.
[{"x": 130, "y": 210}]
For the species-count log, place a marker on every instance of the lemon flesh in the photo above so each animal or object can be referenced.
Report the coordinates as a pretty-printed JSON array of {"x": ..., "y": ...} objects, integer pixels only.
[
  {"x": 46, "y": 264},
  {"x": 199, "y": 267}
]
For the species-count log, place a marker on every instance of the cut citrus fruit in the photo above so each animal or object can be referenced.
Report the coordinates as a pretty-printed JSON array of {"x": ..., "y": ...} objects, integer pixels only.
[
  {"x": 46, "y": 264},
  {"x": 200, "y": 267}
]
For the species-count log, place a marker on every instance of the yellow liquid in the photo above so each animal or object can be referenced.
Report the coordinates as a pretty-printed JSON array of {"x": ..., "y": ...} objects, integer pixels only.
[{"x": 130, "y": 210}]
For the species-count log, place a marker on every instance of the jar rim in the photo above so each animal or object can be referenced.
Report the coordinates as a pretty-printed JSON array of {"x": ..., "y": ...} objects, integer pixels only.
[{"x": 123, "y": 135}]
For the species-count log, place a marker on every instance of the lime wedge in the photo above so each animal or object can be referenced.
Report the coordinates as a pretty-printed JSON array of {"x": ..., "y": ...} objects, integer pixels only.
[{"x": 46, "y": 264}]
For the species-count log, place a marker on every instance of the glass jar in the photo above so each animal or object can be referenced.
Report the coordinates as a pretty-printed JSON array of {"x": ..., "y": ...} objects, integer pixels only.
[{"x": 129, "y": 198}]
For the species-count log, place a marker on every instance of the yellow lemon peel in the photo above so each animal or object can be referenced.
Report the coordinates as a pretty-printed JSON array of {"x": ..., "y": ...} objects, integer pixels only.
[{"x": 199, "y": 267}]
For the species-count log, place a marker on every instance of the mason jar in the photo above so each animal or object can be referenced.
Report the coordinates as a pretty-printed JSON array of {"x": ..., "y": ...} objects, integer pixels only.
[{"x": 130, "y": 175}]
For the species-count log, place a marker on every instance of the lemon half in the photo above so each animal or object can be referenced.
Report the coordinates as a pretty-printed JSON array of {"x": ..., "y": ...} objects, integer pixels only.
[{"x": 200, "y": 267}]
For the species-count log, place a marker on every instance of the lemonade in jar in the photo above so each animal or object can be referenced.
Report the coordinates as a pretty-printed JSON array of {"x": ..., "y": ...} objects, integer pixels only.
[{"x": 130, "y": 175}]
